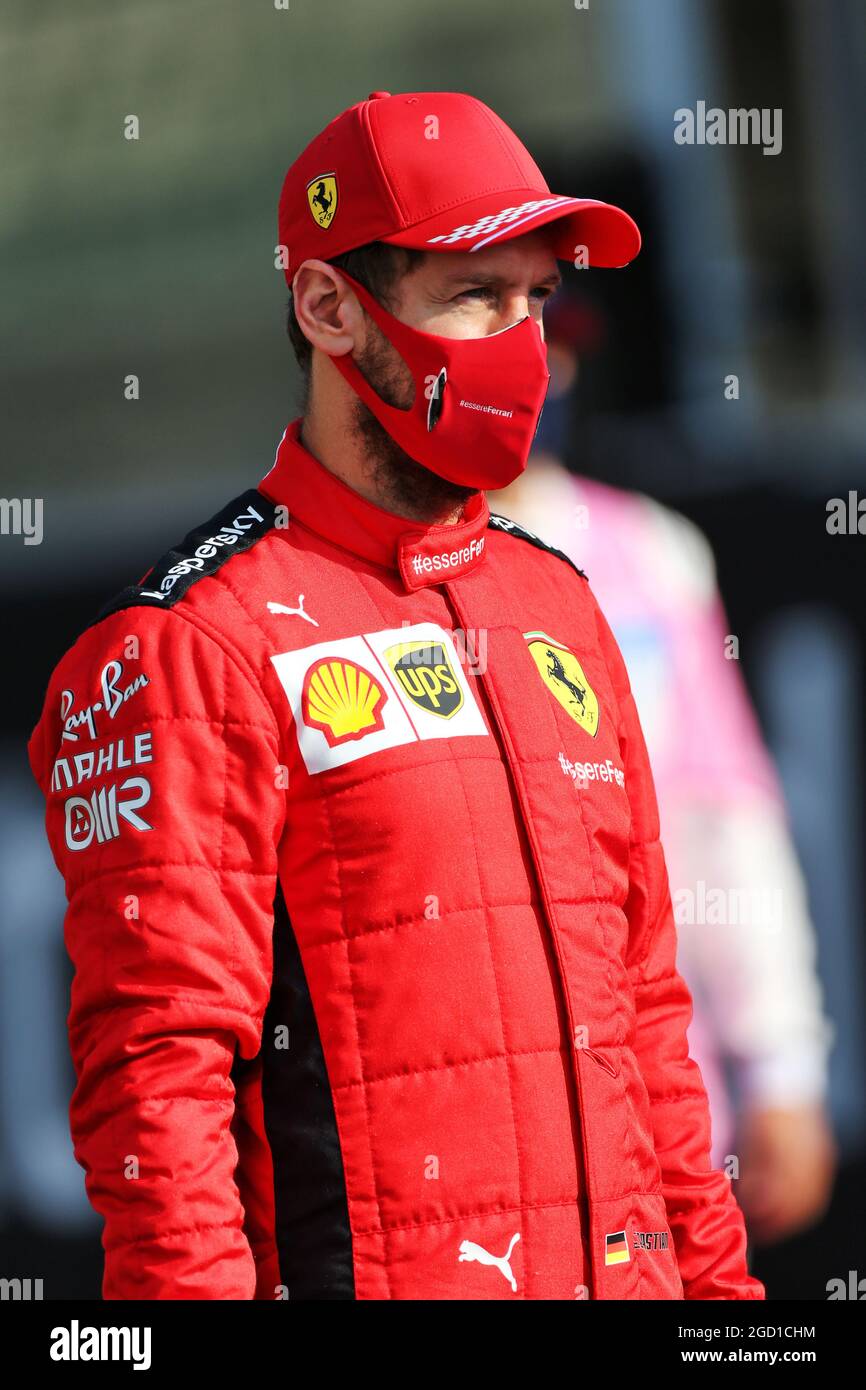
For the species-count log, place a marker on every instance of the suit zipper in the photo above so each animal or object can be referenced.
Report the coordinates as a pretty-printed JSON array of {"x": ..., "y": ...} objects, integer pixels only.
[{"x": 583, "y": 1203}]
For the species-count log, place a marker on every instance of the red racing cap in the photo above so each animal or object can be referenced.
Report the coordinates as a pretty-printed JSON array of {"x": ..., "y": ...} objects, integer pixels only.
[{"x": 437, "y": 171}]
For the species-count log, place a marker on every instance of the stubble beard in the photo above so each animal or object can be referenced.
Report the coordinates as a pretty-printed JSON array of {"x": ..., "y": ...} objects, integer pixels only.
[{"x": 404, "y": 485}]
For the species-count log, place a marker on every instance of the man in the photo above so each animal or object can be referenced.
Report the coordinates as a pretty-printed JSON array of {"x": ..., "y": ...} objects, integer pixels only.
[{"x": 376, "y": 994}]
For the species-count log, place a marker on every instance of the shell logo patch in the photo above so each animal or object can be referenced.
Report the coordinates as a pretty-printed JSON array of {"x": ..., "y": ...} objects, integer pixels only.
[
  {"x": 351, "y": 697},
  {"x": 425, "y": 673},
  {"x": 322, "y": 199},
  {"x": 616, "y": 1249},
  {"x": 563, "y": 675},
  {"x": 342, "y": 699}
]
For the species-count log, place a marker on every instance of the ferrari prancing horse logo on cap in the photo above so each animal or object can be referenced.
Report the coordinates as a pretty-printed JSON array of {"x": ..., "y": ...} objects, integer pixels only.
[{"x": 322, "y": 198}]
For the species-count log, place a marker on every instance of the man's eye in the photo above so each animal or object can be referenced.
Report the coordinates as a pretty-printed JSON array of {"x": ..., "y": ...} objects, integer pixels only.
[{"x": 541, "y": 292}]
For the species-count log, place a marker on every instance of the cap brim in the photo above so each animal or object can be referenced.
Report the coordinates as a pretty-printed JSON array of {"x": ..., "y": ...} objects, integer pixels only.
[{"x": 610, "y": 236}]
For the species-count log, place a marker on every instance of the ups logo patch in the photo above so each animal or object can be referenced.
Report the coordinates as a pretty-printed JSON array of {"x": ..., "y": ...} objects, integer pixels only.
[{"x": 426, "y": 675}]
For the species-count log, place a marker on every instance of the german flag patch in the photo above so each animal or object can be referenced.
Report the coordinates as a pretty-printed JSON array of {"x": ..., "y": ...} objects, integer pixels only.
[{"x": 616, "y": 1249}]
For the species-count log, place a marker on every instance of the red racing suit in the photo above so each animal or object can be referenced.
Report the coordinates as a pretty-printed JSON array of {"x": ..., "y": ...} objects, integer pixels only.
[{"x": 375, "y": 992}]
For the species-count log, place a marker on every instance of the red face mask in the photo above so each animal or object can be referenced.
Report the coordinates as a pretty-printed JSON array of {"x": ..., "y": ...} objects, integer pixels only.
[{"x": 477, "y": 400}]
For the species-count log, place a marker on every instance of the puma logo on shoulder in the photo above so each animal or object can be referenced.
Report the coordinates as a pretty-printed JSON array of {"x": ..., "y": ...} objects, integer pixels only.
[{"x": 298, "y": 612}]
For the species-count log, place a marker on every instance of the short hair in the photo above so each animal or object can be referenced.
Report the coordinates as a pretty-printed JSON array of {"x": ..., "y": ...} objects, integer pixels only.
[{"x": 377, "y": 266}]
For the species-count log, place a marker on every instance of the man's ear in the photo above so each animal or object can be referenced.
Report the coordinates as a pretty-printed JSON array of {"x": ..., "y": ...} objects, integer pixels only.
[{"x": 327, "y": 309}]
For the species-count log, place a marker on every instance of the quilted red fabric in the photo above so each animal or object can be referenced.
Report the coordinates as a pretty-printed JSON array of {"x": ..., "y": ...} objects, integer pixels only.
[{"x": 422, "y": 742}]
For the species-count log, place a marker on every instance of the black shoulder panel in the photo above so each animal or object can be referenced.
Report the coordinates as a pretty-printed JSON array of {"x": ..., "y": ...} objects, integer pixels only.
[
  {"x": 205, "y": 550},
  {"x": 504, "y": 523}
]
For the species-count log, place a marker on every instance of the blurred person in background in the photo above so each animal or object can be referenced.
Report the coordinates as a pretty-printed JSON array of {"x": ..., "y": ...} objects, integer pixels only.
[{"x": 746, "y": 944}]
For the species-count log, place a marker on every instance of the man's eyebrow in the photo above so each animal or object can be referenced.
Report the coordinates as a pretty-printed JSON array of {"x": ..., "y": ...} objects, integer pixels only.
[{"x": 477, "y": 277}]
